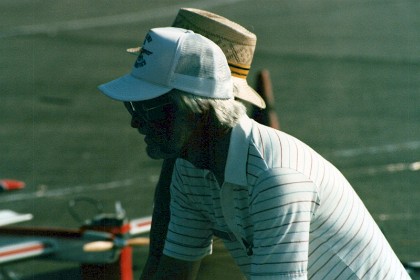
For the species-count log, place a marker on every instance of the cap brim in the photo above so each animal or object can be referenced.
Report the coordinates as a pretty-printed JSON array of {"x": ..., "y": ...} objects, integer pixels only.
[
  {"x": 244, "y": 92},
  {"x": 129, "y": 88}
]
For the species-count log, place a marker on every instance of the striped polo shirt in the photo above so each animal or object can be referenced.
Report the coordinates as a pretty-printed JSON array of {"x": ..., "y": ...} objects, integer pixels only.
[{"x": 286, "y": 213}]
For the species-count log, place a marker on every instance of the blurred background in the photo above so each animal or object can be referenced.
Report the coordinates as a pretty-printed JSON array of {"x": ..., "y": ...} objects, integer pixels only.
[{"x": 345, "y": 74}]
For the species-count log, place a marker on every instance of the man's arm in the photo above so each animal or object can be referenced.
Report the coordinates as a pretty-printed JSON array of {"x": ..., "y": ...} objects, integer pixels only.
[
  {"x": 160, "y": 220},
  {"x": 159, "y": 228}
]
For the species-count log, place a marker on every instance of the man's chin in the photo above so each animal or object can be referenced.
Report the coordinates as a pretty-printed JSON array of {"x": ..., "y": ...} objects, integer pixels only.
[{"x": 156, "y": 153}]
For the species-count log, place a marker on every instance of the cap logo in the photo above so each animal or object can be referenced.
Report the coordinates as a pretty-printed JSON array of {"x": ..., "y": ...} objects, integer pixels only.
[{"x": 140, "y": 61}]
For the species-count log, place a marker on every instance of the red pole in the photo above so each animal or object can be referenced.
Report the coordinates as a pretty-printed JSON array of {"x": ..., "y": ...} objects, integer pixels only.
[
  {"x": 122, "y": 269},
  {"x": 267, "y": 116}
]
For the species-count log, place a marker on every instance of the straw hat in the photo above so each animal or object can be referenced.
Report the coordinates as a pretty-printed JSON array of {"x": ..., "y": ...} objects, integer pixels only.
[{"x": 237, "y": 43}]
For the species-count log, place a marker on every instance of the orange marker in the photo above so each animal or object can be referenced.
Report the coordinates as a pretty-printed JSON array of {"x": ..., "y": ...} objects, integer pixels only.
[{"x": 10, "y": 185}]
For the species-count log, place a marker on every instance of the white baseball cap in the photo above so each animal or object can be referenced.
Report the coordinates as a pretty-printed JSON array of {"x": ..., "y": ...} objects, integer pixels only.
[{"x": 174, "y": 58}]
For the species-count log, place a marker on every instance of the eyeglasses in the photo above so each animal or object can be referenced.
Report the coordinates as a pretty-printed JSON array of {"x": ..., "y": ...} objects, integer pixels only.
[{"x": 152, "y": 114}]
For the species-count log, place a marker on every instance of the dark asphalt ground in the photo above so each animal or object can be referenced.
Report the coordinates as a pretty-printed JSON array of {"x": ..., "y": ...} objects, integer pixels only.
[{"x": 346, "y": 77}]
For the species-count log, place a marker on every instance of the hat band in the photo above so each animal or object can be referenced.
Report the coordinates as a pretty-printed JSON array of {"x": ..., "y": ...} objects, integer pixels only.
[{"x": 239, "y": 70}]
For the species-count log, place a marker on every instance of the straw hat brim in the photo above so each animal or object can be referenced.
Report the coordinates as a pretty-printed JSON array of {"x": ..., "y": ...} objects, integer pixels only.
[{"x": 243, "y": 91}]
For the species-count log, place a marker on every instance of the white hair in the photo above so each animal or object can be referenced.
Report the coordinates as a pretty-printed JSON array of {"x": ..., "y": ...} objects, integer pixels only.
[{"x": 223, "y": 113}]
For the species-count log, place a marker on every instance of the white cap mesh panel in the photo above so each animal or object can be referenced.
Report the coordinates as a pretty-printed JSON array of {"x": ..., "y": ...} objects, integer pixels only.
[{"x": 199, "y": 65}]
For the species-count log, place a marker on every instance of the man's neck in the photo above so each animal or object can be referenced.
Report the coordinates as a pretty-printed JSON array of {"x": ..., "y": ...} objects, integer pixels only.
[
  {"x": 218, "y": 164},
  {"x": 209, "y": 151}
]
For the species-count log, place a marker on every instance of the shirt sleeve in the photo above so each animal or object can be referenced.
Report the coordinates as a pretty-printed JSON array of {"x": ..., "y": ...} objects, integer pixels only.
[
  {"x": 282, "y": 205},
  {"x": 189, "y": 235}
]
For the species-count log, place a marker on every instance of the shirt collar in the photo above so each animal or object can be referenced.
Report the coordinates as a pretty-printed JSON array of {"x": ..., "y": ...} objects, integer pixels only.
[{"x": 236, "y": 163}]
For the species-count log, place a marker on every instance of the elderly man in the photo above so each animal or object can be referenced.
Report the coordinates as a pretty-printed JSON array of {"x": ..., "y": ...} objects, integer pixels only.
[
  {"x": 283, "y": 211},
  {"x": 238, "y": 44}
]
